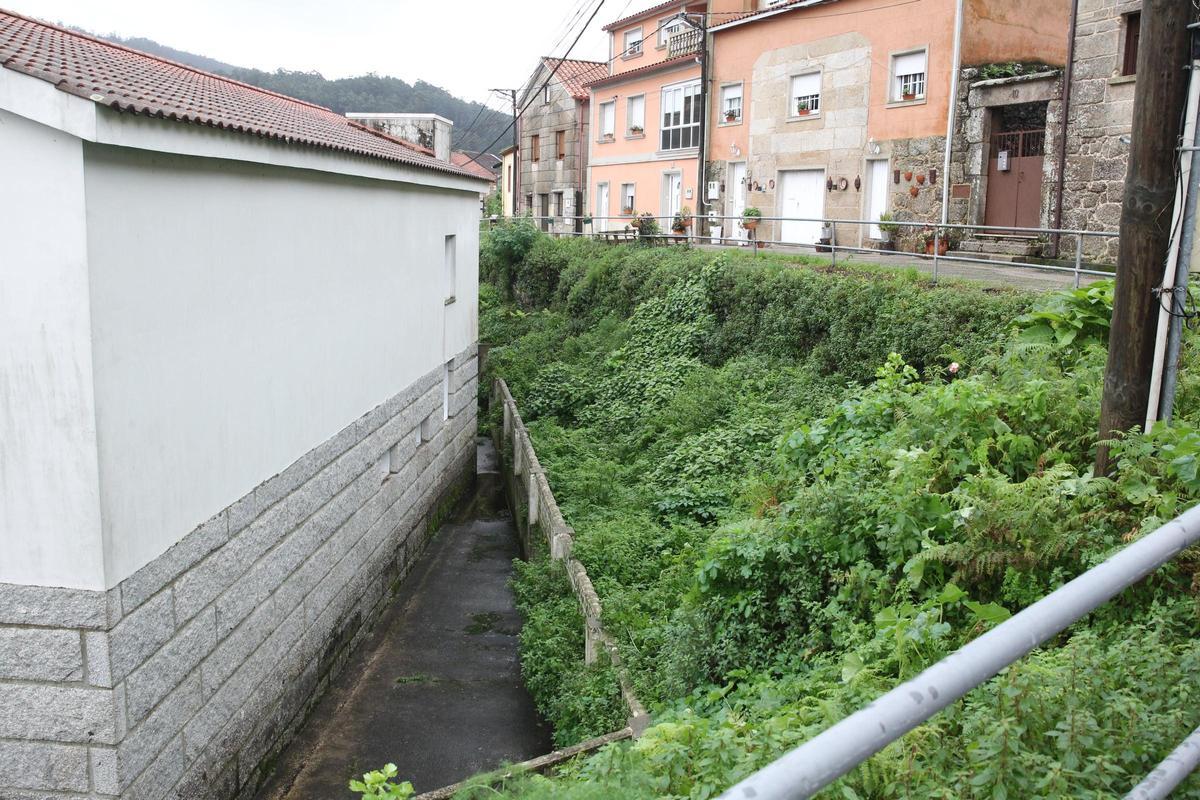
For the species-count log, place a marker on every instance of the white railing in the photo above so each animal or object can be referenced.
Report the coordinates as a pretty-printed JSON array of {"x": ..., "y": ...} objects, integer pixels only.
[
  {"x": 769, "y": 233},
  {"x": 822, "y": 760}
]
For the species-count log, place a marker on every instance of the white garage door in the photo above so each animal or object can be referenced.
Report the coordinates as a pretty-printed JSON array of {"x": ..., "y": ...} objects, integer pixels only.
[{"x": 802, "y": 194}]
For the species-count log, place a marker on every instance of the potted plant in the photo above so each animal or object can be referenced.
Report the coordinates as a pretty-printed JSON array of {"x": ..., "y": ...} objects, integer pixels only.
[
  {"x": 608, "y": 137},
  {"x": 750, "y": 218},
  {"x": 944, "y": 237},
  {"x": 677, "y": 226},
  {"x": 802, "y": 109},
  {"x": 907, "y": 96},
  {"x": 731, "y": 116},
  {"x": 888, "y": 229},
  {"x": 627, "y": 211},
  {"x": 636, "y": 130},
  {"x": 646, "y": 225},
  {"x": 825, "y": 240}
]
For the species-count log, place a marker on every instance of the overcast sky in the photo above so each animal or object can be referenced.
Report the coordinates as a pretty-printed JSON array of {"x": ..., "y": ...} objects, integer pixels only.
[{"x": 465, "y": 46}]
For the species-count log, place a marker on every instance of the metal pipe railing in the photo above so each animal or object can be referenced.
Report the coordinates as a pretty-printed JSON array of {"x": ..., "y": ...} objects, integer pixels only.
[
  {"x": 820, "y": 761},
  {"x": 628, "y": 228},
  {"x": 1170, "y": 773}
]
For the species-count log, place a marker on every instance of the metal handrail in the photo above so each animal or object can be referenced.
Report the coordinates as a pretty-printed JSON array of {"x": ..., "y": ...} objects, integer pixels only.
[
  {"x": 822, "y": 760},
  {"x": 627, "y": 223}
]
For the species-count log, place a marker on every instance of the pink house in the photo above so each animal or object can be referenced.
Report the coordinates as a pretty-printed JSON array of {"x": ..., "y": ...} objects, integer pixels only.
[
  {"x": 840, "y": 109},
  {"x": 646, "y": 117}
]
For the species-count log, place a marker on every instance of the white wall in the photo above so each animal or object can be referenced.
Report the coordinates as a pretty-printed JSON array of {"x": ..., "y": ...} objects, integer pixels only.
[
  {"x": 49, "y": 485},
  {"x": 243, "y": 314}
]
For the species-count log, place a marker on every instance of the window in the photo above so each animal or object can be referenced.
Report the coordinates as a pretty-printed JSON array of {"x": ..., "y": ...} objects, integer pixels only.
[
  {"x": 669, "y": 29},
  {"x": 628, "y": 198},
  {"x": 557, "y": 209},
  {"x": 560, "y": 144},
  {"x": 608, "y": 121},
  {"x": 731, "y": 103},
  {"x": 1133, "y": 35},
  {"x": 681, "y": 116},
  {"x": 908, "y": 76},
  {"x": 633, "y": 43},
  {"x": 546, "y": 94},
  {"x": 535, "y": 148},
  {"x": 446, "y": 391},
  {"x": 806, "y": 95},
  {"x": 529, "y": 203},
  {"x": 635, "y": 115},
  {"x": 451, "y": 268}
]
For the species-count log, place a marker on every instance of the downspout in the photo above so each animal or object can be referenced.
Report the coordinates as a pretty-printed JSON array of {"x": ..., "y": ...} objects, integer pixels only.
[
  {"x": 579, "y": 142},
  {"x": 1173, "y": 299},
  {"x": 1068, "y": 77},
  {"x": 951, "y": 117},
  {"x": 702, "y": 153}
]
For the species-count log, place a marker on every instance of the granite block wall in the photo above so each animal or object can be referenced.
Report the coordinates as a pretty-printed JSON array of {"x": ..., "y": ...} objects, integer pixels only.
[{"x": 185, "y": 680}]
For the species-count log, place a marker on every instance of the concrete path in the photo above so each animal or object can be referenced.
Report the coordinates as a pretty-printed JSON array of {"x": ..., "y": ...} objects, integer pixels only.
[
  {"x": 996, "y": 272},
  {"x": 437, "y": 687}
]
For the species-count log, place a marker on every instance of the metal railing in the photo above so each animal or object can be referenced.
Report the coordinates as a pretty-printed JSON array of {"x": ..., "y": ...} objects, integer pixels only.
[
  {"x": 729, "y": 231},
  {"x": 822, "y": 760}
]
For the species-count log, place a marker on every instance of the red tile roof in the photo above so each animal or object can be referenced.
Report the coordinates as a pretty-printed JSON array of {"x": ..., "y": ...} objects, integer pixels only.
[
  {"x": 132, "y": 81},
  {"x": 648, "y": 69},
  {"x": 648, "y": 12},
  {"x": 717, "y": 24},
  {"x": 460, "y": 159},
  {"x": 575, "y": 73}
]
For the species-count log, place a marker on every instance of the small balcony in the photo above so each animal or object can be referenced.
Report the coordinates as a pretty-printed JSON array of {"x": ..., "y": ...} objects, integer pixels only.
[{"x": 684, "y": 43}]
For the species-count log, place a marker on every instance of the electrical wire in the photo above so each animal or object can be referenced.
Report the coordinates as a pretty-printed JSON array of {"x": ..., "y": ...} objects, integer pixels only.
[{"x": 545, "y": 83}]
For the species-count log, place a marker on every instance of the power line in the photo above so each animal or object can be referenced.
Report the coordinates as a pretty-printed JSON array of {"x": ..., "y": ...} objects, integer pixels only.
[{"x": 546, "y": 83}]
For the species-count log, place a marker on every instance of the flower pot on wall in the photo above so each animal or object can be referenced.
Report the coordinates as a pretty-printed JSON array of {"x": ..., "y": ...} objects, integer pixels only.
[
  {"x": 914, "y": 191},
  {"x": 921, "y": 180},
  {"x": 908, "y": 175}
]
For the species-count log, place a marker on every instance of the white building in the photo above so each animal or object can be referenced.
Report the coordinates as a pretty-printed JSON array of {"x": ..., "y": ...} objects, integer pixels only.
[{"x": 237, "y": 377}]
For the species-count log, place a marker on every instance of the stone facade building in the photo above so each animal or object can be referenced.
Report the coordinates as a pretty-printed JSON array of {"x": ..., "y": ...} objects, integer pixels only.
[
  {"x": 553, "y": 151},
  {"x": 1100, "y": 113},
  {"x": 242, "y": 336}
]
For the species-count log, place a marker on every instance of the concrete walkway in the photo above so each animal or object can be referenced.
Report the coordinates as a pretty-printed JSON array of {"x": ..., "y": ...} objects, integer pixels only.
[{"x": 437, "y": 687}]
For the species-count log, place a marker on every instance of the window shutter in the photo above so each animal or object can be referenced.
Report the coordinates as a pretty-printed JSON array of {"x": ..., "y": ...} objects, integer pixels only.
[
  {"x": 910, "y": 63},
  {"x": 805, "y": 85}
]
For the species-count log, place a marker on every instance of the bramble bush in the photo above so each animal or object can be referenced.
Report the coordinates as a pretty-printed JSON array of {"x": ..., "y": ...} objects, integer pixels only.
[{"x": 788, "y": 502}]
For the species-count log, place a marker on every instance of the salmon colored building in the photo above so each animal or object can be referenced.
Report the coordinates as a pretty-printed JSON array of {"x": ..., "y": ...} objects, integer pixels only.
[
  {"x": 839, "y": 108},
  {"x": 647, "y": 117}
]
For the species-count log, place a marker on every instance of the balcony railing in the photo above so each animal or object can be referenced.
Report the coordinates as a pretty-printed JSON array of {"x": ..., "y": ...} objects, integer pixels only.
[{"x": 684, "y": 43}]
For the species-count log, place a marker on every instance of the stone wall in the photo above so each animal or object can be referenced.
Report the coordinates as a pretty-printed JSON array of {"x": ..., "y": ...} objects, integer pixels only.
[
  {"x": 189, "y": 676},
  {"x": 1101, "y": 111},
  {"x": 549, "y": 174}
]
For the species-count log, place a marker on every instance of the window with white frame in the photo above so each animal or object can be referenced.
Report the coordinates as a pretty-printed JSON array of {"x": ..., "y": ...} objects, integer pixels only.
[
  {"x": 908, "y": 76},
  {"x": 681, "y": 116},
  {"x": 451, "y": 268},
  {"x": 635, "y": 115},
  {"x": 608, "y": 120},
  {"x": 633, "y": 42},
  {"x": 731, "y": 102},
  {"x": 628, "y": 197},
  {"x": 806, "y": 94},
  {"x": 546, "y": 94},
  {"x": 669, "y": 29}
]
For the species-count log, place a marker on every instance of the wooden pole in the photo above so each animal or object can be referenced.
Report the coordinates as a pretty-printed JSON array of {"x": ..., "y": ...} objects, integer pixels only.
[{"x": 1158, "y": 108}]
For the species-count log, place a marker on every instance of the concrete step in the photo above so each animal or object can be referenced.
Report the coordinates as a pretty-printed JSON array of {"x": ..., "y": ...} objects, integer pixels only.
[{"x": 1000, "y": 258}]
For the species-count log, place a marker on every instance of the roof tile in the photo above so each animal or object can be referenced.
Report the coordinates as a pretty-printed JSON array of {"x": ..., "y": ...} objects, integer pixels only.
[
  {"x": 132, "y": 81},
  {"x": 575, "y": 74}
]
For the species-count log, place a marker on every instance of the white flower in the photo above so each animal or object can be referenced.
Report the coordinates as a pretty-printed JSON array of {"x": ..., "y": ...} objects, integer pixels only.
[{"x": 953, "y": 367}]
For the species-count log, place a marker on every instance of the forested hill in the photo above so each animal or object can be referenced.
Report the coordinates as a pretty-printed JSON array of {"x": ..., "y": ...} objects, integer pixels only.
[{"x": 361, "y": 93}]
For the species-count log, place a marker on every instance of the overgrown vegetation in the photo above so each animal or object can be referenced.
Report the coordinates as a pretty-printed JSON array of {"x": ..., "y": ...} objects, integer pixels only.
[{"x": 795, "y": 487}]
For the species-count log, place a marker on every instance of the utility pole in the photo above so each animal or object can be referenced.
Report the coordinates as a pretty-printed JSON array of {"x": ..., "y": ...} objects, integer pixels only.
[
  {"x": 516, "y": 142},
  {"x": 1158, "y": 108}
]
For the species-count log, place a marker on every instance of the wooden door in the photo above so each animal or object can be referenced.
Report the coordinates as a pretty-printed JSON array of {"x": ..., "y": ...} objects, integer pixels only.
[{"x": 1014, "y": 195}]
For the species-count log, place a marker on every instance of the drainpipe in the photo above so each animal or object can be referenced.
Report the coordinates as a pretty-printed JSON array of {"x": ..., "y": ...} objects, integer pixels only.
[
  {"x": 1173, "y": 299},
  {"x": 702, "y": 154},
  {"x": 1068, "y": 76},
  {"x": 951, "y": 117}
]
